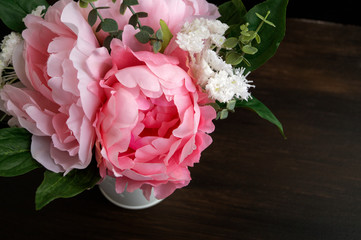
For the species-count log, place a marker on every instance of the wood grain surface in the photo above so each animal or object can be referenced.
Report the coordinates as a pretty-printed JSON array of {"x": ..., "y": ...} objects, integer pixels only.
[{"x": 250, "y": 183}]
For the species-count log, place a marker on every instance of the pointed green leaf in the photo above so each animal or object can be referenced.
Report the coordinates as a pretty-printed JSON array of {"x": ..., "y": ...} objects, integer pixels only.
[
  {"x": 15, "y": 156},
  {"x": 167, "y": 35},
  {"x": 262, "y": 111},
  {"x": 109, "y": 25},
  {"x": 12, "y": 12},
  {"x": 55, "y": 185}
]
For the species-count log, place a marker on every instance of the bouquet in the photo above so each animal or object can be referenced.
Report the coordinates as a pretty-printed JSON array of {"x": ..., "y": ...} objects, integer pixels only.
[{"x": 126, "y": 89}]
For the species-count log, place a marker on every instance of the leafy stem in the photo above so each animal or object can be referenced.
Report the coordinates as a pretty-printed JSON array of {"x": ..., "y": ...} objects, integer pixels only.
[
  {"x": 96, "y": 10},
  {"x": 134, "y": 13}
]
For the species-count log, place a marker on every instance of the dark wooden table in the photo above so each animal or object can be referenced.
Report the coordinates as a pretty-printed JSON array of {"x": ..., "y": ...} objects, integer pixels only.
[{"x": 251, "y": 183}]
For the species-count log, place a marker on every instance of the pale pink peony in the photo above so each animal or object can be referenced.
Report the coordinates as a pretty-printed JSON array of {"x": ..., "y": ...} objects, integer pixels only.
[
  {"x": 154, "y": 123},
  {"x": 58, "y": 65}
]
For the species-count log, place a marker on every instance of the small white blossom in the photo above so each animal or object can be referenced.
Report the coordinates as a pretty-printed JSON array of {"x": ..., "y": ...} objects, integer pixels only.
[
  {"x": 224, "y": 87},
  {"x": 195, "y": 36},
  {"x": 38, "y": 11},
  {"x": 8, "y": 46}
]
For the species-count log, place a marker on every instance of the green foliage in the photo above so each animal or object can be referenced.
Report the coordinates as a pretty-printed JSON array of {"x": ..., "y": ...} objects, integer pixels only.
[
  {"x": 92, "y": 17},
  {"x": 55, "y": 185},
  {"x": 143, "y": 36},
  {"x": 262, "y": 111},
  {"x": 252, "y": 104},
  {"x": 234, "y": 58},
  {"x": 271, "y": 36},
  {"x": 167, "y": 35},
  {"x": 12, "y": 12},
  {"x": 246, "y": 27},
  {"x": 232, "y": 12},
  {"x": 15, "y": 156},
  {"x": 109, "y": 25}
]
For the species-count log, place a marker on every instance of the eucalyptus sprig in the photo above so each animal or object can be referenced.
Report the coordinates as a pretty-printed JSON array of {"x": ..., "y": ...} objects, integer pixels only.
[
  {"x": 146, "y": 33},
  {"x": 243, "y": 45}
]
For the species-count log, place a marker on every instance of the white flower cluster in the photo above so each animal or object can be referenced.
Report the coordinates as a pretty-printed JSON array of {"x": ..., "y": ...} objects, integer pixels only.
[
  {"x": 38, "y": 11},
  {"x": 219, "y": 79},
  {"x": 8, "y": 46},
  {"x": 200, "y": 34}
]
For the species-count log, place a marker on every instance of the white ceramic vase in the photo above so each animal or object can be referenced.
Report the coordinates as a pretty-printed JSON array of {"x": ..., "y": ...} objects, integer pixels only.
[{"x": 129, "y": 200}]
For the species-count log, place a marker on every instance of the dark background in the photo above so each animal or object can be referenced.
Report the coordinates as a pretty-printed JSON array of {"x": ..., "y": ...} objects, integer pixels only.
[{"x": 344, "y": 12}]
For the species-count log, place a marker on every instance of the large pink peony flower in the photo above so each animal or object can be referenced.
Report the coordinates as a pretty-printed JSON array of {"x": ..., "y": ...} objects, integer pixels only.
[
  {"x": 58, "y": 65},
  {"x": 154, "y": 123}
]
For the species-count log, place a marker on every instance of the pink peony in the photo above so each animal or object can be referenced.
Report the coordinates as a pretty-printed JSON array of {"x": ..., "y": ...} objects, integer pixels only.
[
  {"x": 154, "y": 123},
  {"x": 58, "y": 65}
]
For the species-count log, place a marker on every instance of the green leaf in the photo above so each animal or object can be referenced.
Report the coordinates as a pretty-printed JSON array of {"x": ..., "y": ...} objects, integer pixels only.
[
  {"x": 159, "y": 34},
  {"x": 247, "y": 49},
  {"x": 55, "y": 185},
  {"x": 83, "y": 4},
  {"x": 167, "y": 35},
  {"x": 99, "y": 27},
  {"x": 142, "y": 14},
  {"x": 109, "y": 25},
  {"x": 89, "y": 1},
  {"x": 92, "y": 17},
  {"x": 271, "y": 37},
  {"x": 232, "y": 12},
  {"x": 142, "y": 36},
  {"x": 265, "y": 20},
  {"x": 15, "y": 156},
  {"x": 262, "y": 111},
  {"x": 133, "y": 20},
  {"x": 231, "y": 104},
  {"x": 130, "y": 2},
  {"x": 223, "y": 114},
  {"x": 123, "y": 8},
  {"x": 107, "y": 41},
  {"x": 147, "y": 29},
  {"x": 12, "y": 12},
  {"x": 234, "y": 58},
  {"x": 157, "y": 46},
  {"x": 230, "y": 42}
]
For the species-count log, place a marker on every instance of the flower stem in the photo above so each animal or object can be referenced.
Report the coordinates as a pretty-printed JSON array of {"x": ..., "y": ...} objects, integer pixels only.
[
  {"x": 133, "y": 12},
  {"x": 100, "y": 16}
]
